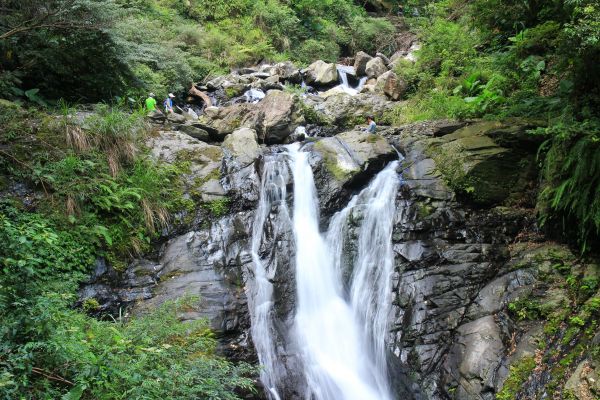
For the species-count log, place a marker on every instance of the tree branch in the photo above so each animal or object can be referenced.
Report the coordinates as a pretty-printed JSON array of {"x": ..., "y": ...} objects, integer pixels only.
[{"x": 51, "y": 376}]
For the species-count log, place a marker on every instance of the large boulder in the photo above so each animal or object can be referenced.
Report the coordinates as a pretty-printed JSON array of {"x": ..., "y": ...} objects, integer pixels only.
[
  {"x": 286, "y": 72},
  {"x": 243, "y": 146},
  {"x": 346, "y": 160},
  {"x": 391, "y": 85},
  {"x": 195, "y": 131},
  {"x": 375, "y": 67},
  {"x": 321, "y": 73},
  {"x": 276, "y": 117},
  {"x": 220, "y": 122},
  {"x": 176, "y": 118},
  {"x": 360, "y": 63},
  {"x": 202, "y": 178},
  {"x": 485, "y": 161},
  {"x": 346, "y": 111},
  {"x": 476, "y": 356}
]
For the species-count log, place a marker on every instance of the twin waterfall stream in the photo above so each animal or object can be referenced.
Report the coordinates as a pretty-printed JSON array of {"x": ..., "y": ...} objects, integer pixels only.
[{"x": 341, "y": 314}]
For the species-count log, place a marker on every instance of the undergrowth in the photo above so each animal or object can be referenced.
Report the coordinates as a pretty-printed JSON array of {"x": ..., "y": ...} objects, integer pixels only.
[{"x": 75, "y": 188}]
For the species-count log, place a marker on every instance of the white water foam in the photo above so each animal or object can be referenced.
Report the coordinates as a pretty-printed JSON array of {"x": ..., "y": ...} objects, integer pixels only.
[{"x": 342, "y": 358}]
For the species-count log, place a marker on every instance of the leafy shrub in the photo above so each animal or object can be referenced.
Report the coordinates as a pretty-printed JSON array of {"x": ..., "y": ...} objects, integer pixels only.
[
  {"x": 313, "y": 49},
  {"x": 371, "y": 35},
  {"x": 571, "y": 168},
  {"x": 62, "y": 352}
]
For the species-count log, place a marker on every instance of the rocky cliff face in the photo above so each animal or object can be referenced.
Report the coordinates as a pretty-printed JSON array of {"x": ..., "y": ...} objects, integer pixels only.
[{"x": 469, "y": 258}]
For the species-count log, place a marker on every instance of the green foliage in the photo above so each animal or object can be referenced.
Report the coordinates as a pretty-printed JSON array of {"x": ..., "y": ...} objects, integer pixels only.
[
  {"x": 62, "y": 352},
  {"x": 501, "y": 58},
  {"x": 61, "y": 48},
  {"x": 164, "y": 45},
  {"x": 217, "y": 208},
  {"x": 571, "y": 169},
  {"x": 85, "y": 211},
  {"x": 526, "y": 309},
  {"x": 518, "y": 374}
]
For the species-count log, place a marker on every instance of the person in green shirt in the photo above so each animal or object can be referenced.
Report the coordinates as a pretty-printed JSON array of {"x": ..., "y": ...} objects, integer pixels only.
[{"x": 151, "y": 103}]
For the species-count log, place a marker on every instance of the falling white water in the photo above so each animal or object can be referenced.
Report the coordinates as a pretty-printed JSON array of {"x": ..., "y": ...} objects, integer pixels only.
[
  {"x": 260, "y": 296},
  {"x": 344, "y": 71},
  {"x": 371, "y": 289},
  {"x": 339, "y": 352},
  {"x": 254, "y": 95}
]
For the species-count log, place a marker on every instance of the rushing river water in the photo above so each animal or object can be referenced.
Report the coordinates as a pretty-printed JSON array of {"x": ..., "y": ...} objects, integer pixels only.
[{"x": 339, "y": 327}]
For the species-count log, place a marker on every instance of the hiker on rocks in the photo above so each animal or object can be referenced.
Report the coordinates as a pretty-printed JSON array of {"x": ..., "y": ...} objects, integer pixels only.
[
  {"x": 150, "y": 103},
  {"x": 168, "y": 104},
  {"x": 371, "y": 125}
]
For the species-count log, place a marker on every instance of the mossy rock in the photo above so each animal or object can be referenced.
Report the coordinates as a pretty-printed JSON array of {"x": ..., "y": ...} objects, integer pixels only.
[{"x": 476, "y": 167}]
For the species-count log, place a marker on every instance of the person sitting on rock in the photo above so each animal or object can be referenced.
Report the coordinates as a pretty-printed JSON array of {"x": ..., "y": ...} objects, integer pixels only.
[
  {"x": 150, "y": 103},
  {"x": 169, "y": 103},
  {"x": 371, "y": 125}
]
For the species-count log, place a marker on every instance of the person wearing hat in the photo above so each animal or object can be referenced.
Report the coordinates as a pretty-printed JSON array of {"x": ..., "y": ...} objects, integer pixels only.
[
  {"x": 150, "y": 103},
  {"x": 169, "y": 103}
]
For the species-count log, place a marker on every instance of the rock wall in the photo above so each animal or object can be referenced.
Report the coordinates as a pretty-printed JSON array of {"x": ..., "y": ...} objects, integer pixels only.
[{"x": 467, "y": 249}]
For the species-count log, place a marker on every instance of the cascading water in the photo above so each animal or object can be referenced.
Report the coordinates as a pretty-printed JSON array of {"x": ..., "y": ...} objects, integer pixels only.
[
  {"x": 342, "y": 360},
  {"x": 339, "y": 329},
  {"x": 371, "y": 289},
  {"x": 343, "y": 72},
  {"x": 260, "y": 296}
]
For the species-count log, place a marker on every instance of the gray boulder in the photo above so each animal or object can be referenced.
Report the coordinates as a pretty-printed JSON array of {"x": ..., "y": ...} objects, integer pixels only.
[
  {"x": 195, "y": 132},
  {"x": 276, "y": 117},
  {"x": 391, "y": 85},
  {"x": 375, "y": 68},
  {"x": 243, "y": 146},
  {"x": 205, "y": 161},
  {"x": 220, "y": 122},
  {"x": 176, "y": 118},
  {"x": 287, "y": 72},
  {"x": 321, "y": 73},
  {"x": 342, "y": 160},
  {"x": 346, "y": 111},
  {"x": 360, "y": 63}
]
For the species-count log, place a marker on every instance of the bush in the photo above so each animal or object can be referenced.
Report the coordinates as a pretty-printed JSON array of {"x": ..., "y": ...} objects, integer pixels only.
[
  {"x": 571, "y": 170},
  {"x": 313, "y": 49}
]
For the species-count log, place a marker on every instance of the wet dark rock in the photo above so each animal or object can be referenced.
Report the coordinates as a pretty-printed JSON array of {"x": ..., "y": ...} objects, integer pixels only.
[{"x": 195, "y": 132}]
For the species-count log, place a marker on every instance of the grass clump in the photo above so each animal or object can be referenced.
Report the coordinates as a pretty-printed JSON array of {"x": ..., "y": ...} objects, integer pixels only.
[
  {"x": 217, "y": 208},
  {"x": 519, "y": 373}
]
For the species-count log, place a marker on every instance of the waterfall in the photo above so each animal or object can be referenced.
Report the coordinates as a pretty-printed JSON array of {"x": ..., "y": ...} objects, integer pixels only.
[
  {"x": 343, "y": 72},
  {"x": 260, "y": 293},
  {"x": 343, "y": 300},
  {"x": 343, "y": 358},
  {"x": 371, "y": 289}
]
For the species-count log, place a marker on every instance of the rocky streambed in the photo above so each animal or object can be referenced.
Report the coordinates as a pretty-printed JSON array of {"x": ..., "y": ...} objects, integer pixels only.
[{"x": 474, "y": 279}]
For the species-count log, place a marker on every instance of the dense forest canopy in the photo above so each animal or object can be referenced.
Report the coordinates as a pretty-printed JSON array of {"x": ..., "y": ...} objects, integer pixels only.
[{"x": 89, "y": 50}]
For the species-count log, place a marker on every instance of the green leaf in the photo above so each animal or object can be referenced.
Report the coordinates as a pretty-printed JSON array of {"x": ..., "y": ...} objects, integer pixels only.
[{"x": 75, "y": 393}]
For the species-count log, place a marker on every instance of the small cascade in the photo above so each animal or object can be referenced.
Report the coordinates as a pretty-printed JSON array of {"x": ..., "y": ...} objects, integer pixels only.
[
  {"x": 254, "y": 95},
  {"x": 371, "y": 289},
  {"x": 260, "y": 291},
  {"x": 344, "y": 71}
]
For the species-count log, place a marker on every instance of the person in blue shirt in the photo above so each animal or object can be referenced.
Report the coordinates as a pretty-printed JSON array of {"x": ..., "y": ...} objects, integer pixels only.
[
  {"x": 371, "y": 125},
  {"x": 168, "y": 104}
]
